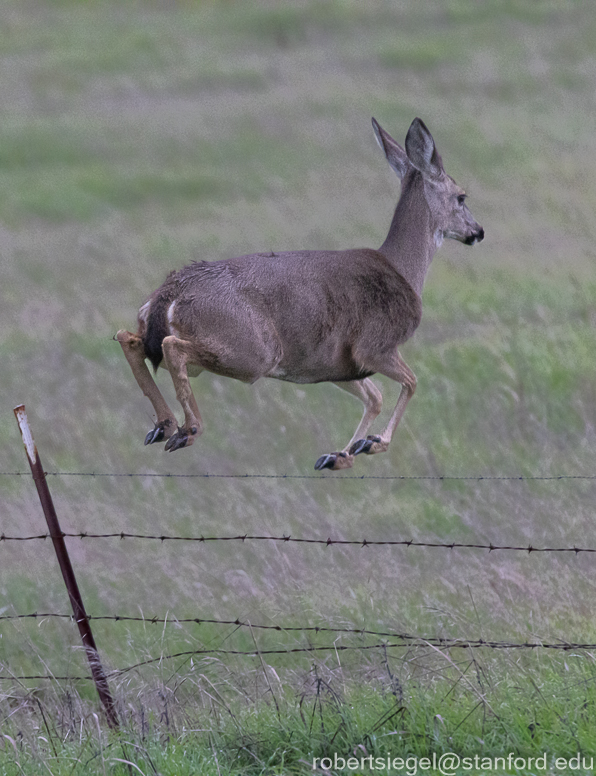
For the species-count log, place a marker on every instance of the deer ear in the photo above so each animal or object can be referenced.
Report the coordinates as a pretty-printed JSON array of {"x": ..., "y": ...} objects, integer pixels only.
[
  {"x": 422, "y": 151},
  {"x": 396, "y": 156}
]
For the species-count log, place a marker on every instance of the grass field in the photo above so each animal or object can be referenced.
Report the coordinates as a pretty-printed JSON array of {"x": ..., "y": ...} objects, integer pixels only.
[{"x": 138, "y": 136}]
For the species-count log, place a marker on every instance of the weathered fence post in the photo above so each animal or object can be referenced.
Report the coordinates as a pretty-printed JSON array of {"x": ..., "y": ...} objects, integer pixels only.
[{"x": 57, "y": 537}]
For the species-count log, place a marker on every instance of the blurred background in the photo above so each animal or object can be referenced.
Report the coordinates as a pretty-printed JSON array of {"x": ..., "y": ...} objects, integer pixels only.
[{"x": 136, "y": 137}]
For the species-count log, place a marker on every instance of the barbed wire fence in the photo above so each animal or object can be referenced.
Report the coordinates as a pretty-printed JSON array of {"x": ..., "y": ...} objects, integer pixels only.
[
  {"x": 403, "y": 639},
  {"x": 386, "y": 639}
]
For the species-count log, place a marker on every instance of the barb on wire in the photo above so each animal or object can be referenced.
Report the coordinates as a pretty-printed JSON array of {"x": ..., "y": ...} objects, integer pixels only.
[
  {"x": 327, "y": 477},
  {"x": 529, "y": 548}
]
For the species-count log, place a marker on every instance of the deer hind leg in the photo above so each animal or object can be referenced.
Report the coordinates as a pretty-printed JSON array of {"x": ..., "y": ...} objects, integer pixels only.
[
  {"x": 370, "y": 395},
  {"x": 401, "y": 373},
  {"x": 165, "y": 425},
  {"x": 177, "y": 354}
]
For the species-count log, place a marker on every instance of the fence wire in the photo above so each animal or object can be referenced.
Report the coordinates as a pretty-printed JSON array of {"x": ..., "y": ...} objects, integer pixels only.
[
  {"x": 407, "y": 638},
  {"x": 286, "y": 539},
  {"x": 435, "y": 643},
  {"x": 327, "y": 477}
]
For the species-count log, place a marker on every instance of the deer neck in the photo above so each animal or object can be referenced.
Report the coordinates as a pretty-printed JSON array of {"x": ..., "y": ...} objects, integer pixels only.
[{"x": 411, "y": 243}]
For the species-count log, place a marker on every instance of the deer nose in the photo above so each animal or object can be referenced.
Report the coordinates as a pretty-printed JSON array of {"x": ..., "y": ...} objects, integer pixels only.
[{"x": 476, "y": 237}]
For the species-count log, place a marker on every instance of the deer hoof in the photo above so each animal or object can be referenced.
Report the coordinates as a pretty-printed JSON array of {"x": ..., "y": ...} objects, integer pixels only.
[
  {"x": 325, "y": 462},
  {"x": 155, "y": 435},
  {"x": 364, "y": 445},
  {"x": 334, "y": 461},
  {"x": 159, "y": 433},
  {"x": 184, "y": 437}
]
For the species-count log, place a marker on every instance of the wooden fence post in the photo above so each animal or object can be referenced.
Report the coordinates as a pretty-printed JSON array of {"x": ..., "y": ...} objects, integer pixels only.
[{"x": 57, "y": 536}]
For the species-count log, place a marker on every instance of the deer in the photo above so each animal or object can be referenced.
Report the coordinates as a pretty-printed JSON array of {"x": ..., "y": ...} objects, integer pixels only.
[{"x": 306, "y": 316}]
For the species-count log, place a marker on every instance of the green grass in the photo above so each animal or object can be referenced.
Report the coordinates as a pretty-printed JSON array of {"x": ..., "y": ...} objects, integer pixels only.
[
  {"x": 138, "y": 137},
  {"x": 407, "y": 707}
]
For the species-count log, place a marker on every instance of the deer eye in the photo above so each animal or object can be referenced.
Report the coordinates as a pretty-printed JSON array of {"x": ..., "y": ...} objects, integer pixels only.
[{"x": 461, "y": 199}]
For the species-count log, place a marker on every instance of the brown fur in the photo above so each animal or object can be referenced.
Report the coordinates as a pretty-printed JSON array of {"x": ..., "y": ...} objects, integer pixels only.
[{"x": 308, "y": 316}]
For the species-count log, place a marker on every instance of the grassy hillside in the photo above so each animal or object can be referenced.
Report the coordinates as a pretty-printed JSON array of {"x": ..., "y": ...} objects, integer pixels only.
[{"x": 137, "y": 137}]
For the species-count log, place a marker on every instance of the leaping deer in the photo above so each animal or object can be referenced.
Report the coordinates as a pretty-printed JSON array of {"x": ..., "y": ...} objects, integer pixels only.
[{"x": 307, "y": 316}]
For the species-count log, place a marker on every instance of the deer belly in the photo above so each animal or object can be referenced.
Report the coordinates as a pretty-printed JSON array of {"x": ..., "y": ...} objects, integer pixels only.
[{"x": 319, "y": 373}]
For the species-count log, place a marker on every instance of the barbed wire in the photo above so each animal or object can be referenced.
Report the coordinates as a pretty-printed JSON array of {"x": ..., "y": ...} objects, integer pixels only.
[
  {"x": 238, "y": 623},
  {"x": 287, "y": 539},
  {"x": 328, "y": 477},
  {"x": 416, "y": 641},
  {"x": 173, "y": 620}
]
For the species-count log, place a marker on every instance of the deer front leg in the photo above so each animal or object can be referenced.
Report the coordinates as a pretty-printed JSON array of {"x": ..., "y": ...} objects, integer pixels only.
[
  {"x": 370, "y": 395},
  {"x": 132, "y": 345},
  {"x": 401, "y": 373},
  {"x": 177, "y": 353}
]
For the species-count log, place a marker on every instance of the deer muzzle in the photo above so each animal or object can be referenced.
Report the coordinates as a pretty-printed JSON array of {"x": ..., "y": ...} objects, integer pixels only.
[{"x": 475, "y": 237}]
